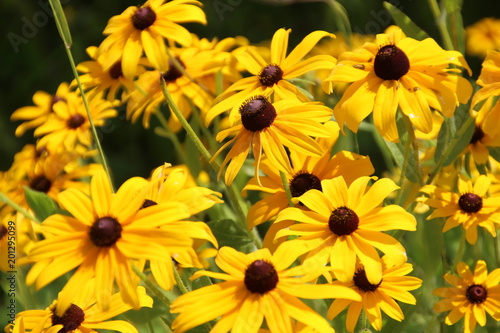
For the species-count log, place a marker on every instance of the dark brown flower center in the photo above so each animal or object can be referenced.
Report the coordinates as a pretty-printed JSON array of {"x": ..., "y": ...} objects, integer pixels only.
[
  {"x": 470, "y": 203},
  {"x": 260, "y": 277},
  {"x": 343, "y": 221},
  {"x": 361, "y": 281},
  {"x": 76, "y": 121},
  {"x": 477, "y": 136},
  {"x": 303, "y": 182},
  {"x": 148, "y": 203},
  {"x": 270, "y": 75},
  {"x": 391, "y": 63},
  {"x": 105, "y": 231},
  {"x": 476, "y": 294},
  {"x": 116, "y": 70},
  {"x": 3, "y": 231},
  {"x": 72, "y": 318},
  {"x": 143, "y": 18},
  {"x": 173, "y": 72},
  {"x": 257, "y": 113},
  {"x": 41, "y": 183}
]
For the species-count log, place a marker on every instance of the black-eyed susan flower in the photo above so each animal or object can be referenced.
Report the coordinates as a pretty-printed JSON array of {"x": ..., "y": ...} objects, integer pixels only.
[
  {"x": 38, "y": 114},
  {"x": 489, "y": 80},
  {"x": 486, "y": 133},
  {"x": 483, "y": 36},
  {"x": 272, "y": 77},
  {"x": 398, "y": 71},
  {"x": 377, "y": 297},
  {"x": 470, "y": 207},
  {"x": 255, "y": 287},
  {"x": 169, "y": 186},
  {"x": 471, "y": 296},
  {"x": 95, "y": 79},
  {"x": 186, "y": 92},
  {"x": 68, "y": 126},
  {"x": 346, "y": 223},
  {"x": 307, "y": 173},
  {"x": 82, "y": 316},
  {"x": 145, "y": 28},
  {"x": 266, "y": 128},
  {"x": 104, "y": 235}
]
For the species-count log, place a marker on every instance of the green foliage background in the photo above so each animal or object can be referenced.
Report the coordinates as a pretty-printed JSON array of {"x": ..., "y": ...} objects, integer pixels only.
[{"x": 41, "y": 64}]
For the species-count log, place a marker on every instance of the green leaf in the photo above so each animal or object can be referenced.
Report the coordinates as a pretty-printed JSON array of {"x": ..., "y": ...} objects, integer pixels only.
[
  {"x": 495, "y": 153},
  {"x": 404, "y": 149},
  {"x": 228, "y": 233},
  {"x": 405, "y": 23},
  {"x": 61, "y": 23},
  {"x": 41, "y": 204},
  {"x": 454, "y": 136}
]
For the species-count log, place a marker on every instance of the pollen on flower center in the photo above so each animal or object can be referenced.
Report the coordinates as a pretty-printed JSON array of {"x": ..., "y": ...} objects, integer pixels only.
[
  {"x": 343, "y": 221},
  {"x": 72, "y": 318},
  {"x": 477, "y": 136},
  {"x": 76, "y": 121},
  {"x": 303, "y": 182},
  {"x": 148, "y": 203},
  {"x": 116, "y": 70},
  {"x": 270, "y": 75},
  {"x": 173, "y": 72},
  {"x": 470, "y": 203},
  {"x": 41, "y": 183},
  {"x": 476, "y": 294},
  {"x": 105, "y": 231},
  {"x": 261, "y": 277},
  {"x": 143, "y": 18},
  {"x": 391, "y": 63},
  {"x": 257, "y": 113},
  {"x": 361, "y": 281},
  {"x": 3, "y": 231}
]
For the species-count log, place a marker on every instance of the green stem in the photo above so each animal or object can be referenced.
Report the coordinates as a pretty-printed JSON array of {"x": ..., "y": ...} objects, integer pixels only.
[
  {"x": 286, "y": 186},
  {"x": 65, "y": 34},
  {"x": 180, "y": 283},
  {"x": 460, "y": 251},
  {"x": 460, "y": 133},
  {"x": 173, "y": 137},
  {"x": 154, "y": 288},
  {"x": 440, "y": 19},
  {"x": 23, "y": 211},
  {"x": 496, "y": 245}
]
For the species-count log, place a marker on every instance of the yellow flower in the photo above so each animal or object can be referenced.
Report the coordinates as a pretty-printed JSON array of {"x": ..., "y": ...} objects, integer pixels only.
[
  {"x": 272, "y": 78},
  {"x": 146, "y": 28},
  {"x": 181, "y": 84},
  {"x": 486, "y": 133},
  {"x": 306, "y": 173},
  {"x": 256, "y": 286},
  {"x": 110, "y": 81},
  {"x": 345, "y": 223},
  {"x": 483, "y": 36},
  {"x": 470, "y": 207},
  {"x": 398, "y": 71},
  {"x": 103, "y": 237},
  {"x": 471, "y": 296},
  {"x": 82, "y": 316},
  {"x": 68, "y": 126},
  {"x": 39, "y": 114},
  {"x": 269, "y": 127},
  {"x": 377, "y": 297}
]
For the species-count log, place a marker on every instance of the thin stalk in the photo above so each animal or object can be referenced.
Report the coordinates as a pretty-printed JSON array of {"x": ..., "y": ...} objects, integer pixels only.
[
  {"x": 460, "y": 251},
  {"x": 286, "y": 186},
  {"x": 440, "y": 19},
  {"x": 496, "y": 245},
  {"x": 173, "y": 137},
  {"x": 180, "y": 283},
  {"x": 154, "y": 288},
  {"x": 64, "y": 32},
  {"x": 449, "y": 149},
  {"x": 18, "y": 208}
]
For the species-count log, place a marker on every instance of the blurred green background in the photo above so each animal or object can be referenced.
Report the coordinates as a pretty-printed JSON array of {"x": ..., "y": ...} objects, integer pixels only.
[{"x": 35, "y": 59}]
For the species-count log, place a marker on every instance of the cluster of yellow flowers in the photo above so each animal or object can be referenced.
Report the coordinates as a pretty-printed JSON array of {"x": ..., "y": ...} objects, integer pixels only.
[{"x": 312, "y": 220}]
